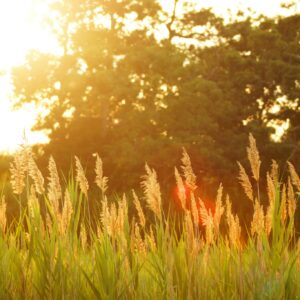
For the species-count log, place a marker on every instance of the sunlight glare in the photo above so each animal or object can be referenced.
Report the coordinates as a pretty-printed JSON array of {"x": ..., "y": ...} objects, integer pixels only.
[{"x": 21, "y": 30}]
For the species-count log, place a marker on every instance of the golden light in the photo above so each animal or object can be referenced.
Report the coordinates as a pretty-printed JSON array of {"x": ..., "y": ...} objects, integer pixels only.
[{"x": 22, "y": 29}]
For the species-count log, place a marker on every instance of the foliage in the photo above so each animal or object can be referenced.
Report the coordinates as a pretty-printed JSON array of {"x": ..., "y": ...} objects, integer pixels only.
[
  {"x": 54, "y": 250},
  {"x": 124, "y": 90}
]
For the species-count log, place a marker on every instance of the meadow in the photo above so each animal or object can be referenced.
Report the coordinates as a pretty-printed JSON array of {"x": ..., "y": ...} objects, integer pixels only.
[{"x": 134, "y": 248}]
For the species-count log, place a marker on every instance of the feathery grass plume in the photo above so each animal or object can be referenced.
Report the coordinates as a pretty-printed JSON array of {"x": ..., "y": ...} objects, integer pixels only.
[
  {"x": 67, "y": 212},
  {"x": 258, "y": 221},
  {"x": 194, "y": 209},
  {"x": 100, "y": 180},
  {"x": 245, "y": 182},
  {"x": 113, "y": 221},
  {"x": 180, "y": 189},
  {"x": 274, "y": 172},
  {"x": 219, "y": 209},
  {"x": 139, "y": 245},
  {"x": 17, "y": 171},
  {"x": 36, "y": 176},
  {"x": 228, "y": 208},
  {"x": 207, "y": 221},
  {"x": 54, "y": 187},
  {"x": 3, "y": 219},
  {"x": 105, "y": 215},
  {"x": 237, "y": 231},
  {"x": 294, "y": 176},
  {"x": 139, "y": 209},
  {"x": 253, "y": 157},
  {"x": 151, "y": 240},
  {"x": 189, "y": 175},
  {"x": 204, "y": 214},
  {"x": 233, "y": 223},
  {"x": 209, "y": 232},
  {"x": 80, "y": 177},
  {"x": 291, "y": 200},
  {"x": 152, "y": 192},
  {"x": 271, "y": 189}
]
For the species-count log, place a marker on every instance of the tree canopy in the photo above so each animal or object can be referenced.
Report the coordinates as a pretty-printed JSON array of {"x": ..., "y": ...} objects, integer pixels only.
[{"x": 135, "y": 83}]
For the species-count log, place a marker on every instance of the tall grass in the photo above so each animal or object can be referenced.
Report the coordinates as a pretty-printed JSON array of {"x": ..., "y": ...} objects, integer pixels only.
[{"x": 56, "y": 248}]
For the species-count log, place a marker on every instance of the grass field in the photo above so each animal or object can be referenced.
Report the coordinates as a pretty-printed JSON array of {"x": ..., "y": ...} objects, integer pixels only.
[{"x": 57, "y": 249}]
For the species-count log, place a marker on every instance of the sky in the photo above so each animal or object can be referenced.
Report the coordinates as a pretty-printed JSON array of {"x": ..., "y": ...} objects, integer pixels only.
[{"x": 21, "y": 30}]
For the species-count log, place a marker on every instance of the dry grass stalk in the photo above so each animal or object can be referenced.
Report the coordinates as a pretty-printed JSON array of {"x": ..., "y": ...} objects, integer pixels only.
[
  {"x": 67, "y": 212},
  {"x": 3, "y": 219},
  {"x": 152, "y": 192},
  {"x": 271, "y": 189},
  {"x": 190, "y": 177},
  {"x": 17, "y": 170},
  {"x": 54, "y": 187},
  {"x": 245, "y": 182},
  {"x": 204, "y": 214},
  {"x": 100, "y": 180},
  {"x": 209, "y": 232},
  {"x": 189, "y": 230},
  {"x": 180, "y": 189},
  {"x": 294, "y": 176},
  {"x": 228, "y": 208},
  {"x": 113, "y": 218},
  {"x": 269, "y": 217},
  {"x": 253, "y": 157},
  {"x": 113, "y": 221},
  {"x": 233, "y": 223},
  {"x": 105, "y": 215},
  {"x": 258, "y": 221},
  {"x": 291, "y": 200},
  {"x": 207, "y": 221},
  {"x": 36, "y": 176},
  {"x": 219, "y": 210},
  {"x": 121, "y": 217},
  {"x": 194, "y": 209},
  {"x": 80, "y": 177},
  {"x": 139, "y": 209},
  {"x": 139, "y": 245},
  {"x": 151, "y": 240}
]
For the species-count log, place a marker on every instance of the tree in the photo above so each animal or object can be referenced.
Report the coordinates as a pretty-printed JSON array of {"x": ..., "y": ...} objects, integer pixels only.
[{"x": 132, "y": 96}]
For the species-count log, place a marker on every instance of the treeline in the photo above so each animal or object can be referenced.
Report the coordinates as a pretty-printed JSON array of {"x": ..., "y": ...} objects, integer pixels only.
[{"x": 136, "y": 84}]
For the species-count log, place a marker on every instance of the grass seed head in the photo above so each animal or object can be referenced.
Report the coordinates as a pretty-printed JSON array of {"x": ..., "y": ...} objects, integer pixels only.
[
  {"x": 253, "y": 157},
  {"x": 190, "y": 177},
  {"x": 36, "y": 176},
  {"x": 294, "y": 176},
  {"x": 152, "y": 192},
  {"x": 80, "y": 177},
  {"x": 54, "y": 187},
  {"x": 139, "y": 209},
  {"x": 245, "y": 182},
  {"x": 100, "y": 180}
]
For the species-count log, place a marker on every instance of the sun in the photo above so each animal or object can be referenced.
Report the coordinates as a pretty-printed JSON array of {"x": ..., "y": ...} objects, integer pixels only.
[{"x": 22, "y": 29}]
